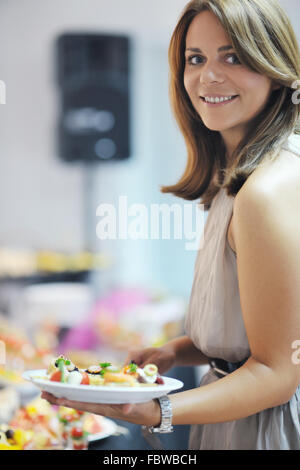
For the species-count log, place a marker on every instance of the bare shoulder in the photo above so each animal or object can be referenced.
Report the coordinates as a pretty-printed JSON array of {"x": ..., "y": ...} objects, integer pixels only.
[
  {"x": 271, "y": 192},
  {"x": 277, "y": 181}
]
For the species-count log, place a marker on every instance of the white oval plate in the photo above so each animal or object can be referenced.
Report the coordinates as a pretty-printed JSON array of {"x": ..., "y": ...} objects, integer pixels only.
[{"x": 113, "y": 394}]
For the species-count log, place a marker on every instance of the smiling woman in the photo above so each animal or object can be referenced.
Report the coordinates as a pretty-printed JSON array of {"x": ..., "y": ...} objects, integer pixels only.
[
  {"x": 246, "y": 50},
  {"x": 215, "y": 76},
  {"x": 233, "y": 66}
]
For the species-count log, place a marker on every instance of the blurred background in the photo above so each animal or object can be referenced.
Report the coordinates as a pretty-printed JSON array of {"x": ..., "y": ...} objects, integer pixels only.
[{"x": 86, "y": 120}]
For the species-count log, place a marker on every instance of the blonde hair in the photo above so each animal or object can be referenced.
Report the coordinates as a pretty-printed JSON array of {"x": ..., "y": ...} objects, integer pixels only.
[{"x": 265, "y": 42}]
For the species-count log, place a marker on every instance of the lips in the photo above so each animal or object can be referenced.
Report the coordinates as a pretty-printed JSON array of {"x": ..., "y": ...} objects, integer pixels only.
[{"x": 218, "y": 96}]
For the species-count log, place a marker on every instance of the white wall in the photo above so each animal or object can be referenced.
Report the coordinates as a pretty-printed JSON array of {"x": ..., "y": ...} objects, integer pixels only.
[{"x": 41, "y": 198}]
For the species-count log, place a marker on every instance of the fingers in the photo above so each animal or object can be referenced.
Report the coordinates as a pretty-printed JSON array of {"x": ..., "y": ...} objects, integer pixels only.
[
  {"x": 115, "y": 411},
  {"x": 142, "y": 357},
  {"x": 51, "y": 398},
  {"x": 81, "y": 406},
  {"x": 58, "y": 401},
  {"x": 134, "y": 356},
  {"x": 148, "y": 359}
]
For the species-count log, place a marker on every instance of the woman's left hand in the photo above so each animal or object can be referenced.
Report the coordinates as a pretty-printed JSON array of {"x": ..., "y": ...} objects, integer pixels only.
[{"x": 147, "y": 414}]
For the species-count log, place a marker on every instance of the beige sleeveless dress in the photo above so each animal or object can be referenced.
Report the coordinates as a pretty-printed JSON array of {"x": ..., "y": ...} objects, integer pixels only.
[{"x": 215, "y": 324}]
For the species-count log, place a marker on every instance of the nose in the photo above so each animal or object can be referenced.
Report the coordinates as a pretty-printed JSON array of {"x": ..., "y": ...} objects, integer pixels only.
[{"x": 211, "y": 72}]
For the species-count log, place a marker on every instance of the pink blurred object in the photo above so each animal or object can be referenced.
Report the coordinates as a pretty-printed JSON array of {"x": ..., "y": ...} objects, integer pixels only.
[{"x": 83, "y": 336}]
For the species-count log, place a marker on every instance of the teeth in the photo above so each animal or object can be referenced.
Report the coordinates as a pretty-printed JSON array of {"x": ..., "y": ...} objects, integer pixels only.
[{"x": 217, "y": 100}]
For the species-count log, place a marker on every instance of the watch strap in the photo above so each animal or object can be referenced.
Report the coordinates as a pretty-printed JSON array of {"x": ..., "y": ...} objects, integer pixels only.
[{"x": 166, "y": 417}]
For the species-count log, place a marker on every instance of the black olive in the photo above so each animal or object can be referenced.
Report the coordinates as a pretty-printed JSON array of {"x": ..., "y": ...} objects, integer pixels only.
[{"x": 9, "y": 434}]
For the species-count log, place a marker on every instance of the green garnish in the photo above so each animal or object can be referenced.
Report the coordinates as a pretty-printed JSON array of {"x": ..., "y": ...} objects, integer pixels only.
[
  {"x": 61, "y": 367},
  {"x": 67, "y": 362},
  {"x": 103, "y": 365},
  {"x": 133, "y": 367},
  {"x": 63, "y": 420}
]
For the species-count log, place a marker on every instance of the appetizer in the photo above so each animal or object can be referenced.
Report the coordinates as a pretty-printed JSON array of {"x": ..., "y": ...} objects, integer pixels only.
[{"x": 62, "y": 369}]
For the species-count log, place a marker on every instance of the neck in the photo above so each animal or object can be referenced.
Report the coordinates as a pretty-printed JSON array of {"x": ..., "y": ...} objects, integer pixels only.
[{"x": 231, "y": 140}]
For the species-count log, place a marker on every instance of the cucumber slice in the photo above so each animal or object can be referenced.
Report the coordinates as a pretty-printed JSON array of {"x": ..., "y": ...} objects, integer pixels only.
[{"x": 150, "y": 369}]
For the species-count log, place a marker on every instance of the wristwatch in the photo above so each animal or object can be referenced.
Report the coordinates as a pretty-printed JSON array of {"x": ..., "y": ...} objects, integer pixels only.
[{"x": 166, "y": 417}]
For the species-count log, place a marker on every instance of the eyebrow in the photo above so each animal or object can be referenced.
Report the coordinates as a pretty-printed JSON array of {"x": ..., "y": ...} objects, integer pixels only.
[{"x": 222, "y": 48}]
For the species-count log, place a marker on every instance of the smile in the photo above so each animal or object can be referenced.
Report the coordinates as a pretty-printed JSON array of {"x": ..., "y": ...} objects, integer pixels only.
[{"x": 210, "y": 101}]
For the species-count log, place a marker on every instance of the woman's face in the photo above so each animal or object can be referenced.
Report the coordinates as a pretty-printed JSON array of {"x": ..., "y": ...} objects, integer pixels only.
[{"x": 213, "y": 72}]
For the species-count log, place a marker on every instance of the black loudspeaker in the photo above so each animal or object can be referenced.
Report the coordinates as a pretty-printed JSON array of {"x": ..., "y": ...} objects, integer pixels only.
[{"x": 94, "y": 81}]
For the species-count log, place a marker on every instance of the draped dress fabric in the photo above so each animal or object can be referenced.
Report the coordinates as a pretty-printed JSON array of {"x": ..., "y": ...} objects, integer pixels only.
[{"x": 214, "y": 322}]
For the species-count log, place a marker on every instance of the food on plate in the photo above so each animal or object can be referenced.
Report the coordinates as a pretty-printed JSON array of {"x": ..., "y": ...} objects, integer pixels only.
[
  {"x": 40, "y": 426},
  {"x": 68, "y": 417},
  {"x": 35, "y": 426},
  {"x": 54, "y": 365},
  {"x": 94, "y": 424},
  {"x": 20, "y": 352},
  {"x": 150, "y": 370},
  {"x": 7, "y": 441},
  {"x": 62, "y": 369},
  {"x": 78, "y": 438},
  {"x": 75, "y": 378}
]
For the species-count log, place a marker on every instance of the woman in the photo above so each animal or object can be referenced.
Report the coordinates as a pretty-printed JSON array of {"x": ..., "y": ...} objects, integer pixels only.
[{"x": 233, "y": 68}]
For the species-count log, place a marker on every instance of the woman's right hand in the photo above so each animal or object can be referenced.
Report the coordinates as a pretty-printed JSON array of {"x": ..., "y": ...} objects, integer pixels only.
[{"x": 164, "y": 357}]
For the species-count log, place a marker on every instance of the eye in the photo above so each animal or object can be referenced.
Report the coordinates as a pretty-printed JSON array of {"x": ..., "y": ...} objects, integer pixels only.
[
  {"x": 194, "y": 59},
  {"x": 198, "y": 60},
  {"x": 235, "y": 59}
]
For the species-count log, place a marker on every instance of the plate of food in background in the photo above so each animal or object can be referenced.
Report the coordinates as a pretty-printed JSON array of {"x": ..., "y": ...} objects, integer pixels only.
[{"x": 41, "y": 426}]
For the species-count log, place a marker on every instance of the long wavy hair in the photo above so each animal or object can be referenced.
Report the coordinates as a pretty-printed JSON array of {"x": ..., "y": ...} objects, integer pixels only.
[{"x": 265, "y": 42}]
